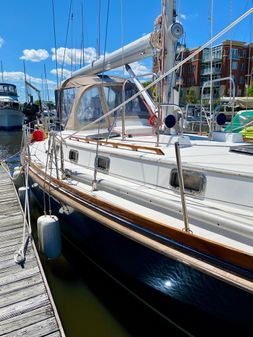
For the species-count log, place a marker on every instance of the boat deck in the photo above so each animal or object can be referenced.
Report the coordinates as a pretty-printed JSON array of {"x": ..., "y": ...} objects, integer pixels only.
[{"x": 26, "y": 304}]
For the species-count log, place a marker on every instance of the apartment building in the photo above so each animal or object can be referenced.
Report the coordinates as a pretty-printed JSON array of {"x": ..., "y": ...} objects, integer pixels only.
[{"x": 228, "y": 58}]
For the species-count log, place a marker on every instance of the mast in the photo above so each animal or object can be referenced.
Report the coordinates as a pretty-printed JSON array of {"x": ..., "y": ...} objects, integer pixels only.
[
  {"x": 143, "y": 48},
  {"x": 2, "y": 71},
  {"x": 171, "y": 32}
]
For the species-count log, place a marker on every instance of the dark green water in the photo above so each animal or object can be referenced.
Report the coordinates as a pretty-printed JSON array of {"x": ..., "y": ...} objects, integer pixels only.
[{"x": 89, "y": 302}]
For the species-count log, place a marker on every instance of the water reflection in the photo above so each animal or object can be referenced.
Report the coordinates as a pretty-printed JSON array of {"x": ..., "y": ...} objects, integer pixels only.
[{"x": 10, "y": 142}]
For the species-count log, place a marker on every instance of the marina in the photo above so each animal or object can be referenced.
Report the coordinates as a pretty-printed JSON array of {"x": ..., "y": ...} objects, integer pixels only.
[
  {"x": 26, "y": 303},
  {"x": 126, "y": 197}
]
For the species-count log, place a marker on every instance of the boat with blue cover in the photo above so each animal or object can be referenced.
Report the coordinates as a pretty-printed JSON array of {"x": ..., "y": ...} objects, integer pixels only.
[{"x": 11, "y": 115}]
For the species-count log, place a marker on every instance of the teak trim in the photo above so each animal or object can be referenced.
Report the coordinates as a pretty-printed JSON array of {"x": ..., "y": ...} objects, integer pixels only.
[{"x": 118, "y": 145}]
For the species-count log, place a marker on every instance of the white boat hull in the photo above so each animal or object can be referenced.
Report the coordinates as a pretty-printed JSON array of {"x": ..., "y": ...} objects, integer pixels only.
[{"x": 11, "y": 119}]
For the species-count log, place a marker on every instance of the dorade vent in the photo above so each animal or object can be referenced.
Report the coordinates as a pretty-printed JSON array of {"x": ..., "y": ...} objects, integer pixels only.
[
  {"x": 73, "y": 155},
  {"x": 102, "y": 164},
  {"x": 194, "y": 182}
]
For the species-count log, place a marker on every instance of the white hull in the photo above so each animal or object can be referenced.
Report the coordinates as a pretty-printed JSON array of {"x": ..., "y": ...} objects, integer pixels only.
[{"x": 11, "y": 119}]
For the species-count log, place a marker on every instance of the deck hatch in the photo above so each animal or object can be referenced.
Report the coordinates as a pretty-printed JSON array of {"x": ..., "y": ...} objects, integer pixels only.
[
  {"x": 194, "y": 182},
  {"x": 242, "y": 149}
]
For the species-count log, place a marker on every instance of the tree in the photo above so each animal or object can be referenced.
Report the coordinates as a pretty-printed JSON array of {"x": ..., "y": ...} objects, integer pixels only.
[
  {"x": 152, "y": 91},
  {"x": 191, "y": 96},
  {"x": 49, "y": 104},
  {"x": 250, "y": 89}
]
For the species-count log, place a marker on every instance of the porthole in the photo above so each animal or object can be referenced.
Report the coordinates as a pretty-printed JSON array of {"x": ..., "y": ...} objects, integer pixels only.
[
  {"x": 102, "y": 163},
  {"x": 194, "y": 182},
  {"x": 73, "y": 156}
]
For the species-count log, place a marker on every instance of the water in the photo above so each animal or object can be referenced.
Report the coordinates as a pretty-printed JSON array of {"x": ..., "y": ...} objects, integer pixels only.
[
  {"x": 9, "y": 143},
  {"x": 89, "y": 302}
]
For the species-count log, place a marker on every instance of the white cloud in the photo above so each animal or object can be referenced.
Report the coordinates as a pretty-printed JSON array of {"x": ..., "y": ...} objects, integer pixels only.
[
  {"x": 1, "y": 41},
  {"x": 61, "y": 72},
  {"x": 18, "y": 76},
  {"x": 139, "y": 68},
  {"x": 34, "y": 55},
  {"x": 73, "y": 56},
  {"x": 182, "y": 16}
]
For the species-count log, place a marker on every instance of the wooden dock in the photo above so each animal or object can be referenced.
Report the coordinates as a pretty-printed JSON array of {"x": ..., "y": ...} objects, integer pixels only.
[{"x": 26, "y": 304}]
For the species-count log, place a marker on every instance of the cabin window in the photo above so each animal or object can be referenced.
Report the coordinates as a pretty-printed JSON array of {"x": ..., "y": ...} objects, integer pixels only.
[
  {"x": 90, "y": 107},
  {"x": 134, "y": 110},
  {"x": 73, "y": 155},
  {"x": 136, "y": 107},
  {"x": 194, "y": 182},
  {"x": 102, "y": 163},
  {"x": 68, "y": 97},
  {"x": 113, "y": 97}
]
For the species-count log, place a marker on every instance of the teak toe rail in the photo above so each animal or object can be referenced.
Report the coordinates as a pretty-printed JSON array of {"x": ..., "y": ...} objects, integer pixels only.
[{"x": 119, "y": 145}]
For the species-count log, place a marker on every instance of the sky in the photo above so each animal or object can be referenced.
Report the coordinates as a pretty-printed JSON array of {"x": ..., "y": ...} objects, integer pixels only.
[{"x": 27, "y": 39}]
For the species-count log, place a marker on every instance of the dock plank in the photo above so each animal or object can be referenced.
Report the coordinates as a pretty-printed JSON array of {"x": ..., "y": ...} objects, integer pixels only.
[
  {"x": 19, "y": 284},
  {"x": 40, "y": 329},
  {"x": 27, "y": 318},
  {"x": 22, "y": 307},
  {"x": 26, "y": 304},
  {"x": 23, "y": 294}
]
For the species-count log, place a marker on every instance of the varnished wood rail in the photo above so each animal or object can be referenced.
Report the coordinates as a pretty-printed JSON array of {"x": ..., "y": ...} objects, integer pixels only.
[{"x": 132, "y": 147}]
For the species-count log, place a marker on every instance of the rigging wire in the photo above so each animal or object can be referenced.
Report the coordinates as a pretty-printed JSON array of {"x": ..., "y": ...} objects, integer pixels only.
[
  {"x": 210, "y": 18},
  {"x": 66, "y": 39},
  {"x": 249, "y": 71},
  {"x": 43, "y": 88},
  {"x": 71, "y": 44},
  {"x": 94, "y": 182},
  {"x": 163, "y": 49},
  {"x": 25, "y": 78},
  {"x": 2, "y": 71},
  {"x": 230, "y": 48},
  {"x": 55, "y": 44},
  {"x": 122, "y": 33},
  {"x": 106, "y": 33},
  {"x": 82, "y": 38},
  {"x": 99, "y": 29},
  {"x": 177, "y": 66},
  {"x": 46, "y": 84}
]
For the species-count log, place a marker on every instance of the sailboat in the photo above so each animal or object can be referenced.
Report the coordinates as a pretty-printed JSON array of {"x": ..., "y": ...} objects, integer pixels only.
[{"x": 168, "y": 214}]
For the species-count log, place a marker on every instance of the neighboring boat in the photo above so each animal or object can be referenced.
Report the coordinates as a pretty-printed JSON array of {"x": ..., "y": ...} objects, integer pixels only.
[
  {"x": 169, "y": 215},
  {"x": 11, "y": 116}
]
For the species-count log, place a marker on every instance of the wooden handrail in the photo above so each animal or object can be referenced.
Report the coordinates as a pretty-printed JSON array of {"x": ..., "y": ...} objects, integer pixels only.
[{"x": 117, "y": 145}]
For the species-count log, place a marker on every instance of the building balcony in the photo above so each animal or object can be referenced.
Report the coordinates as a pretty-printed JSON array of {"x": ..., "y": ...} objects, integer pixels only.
[
  {"x": 207, "y": 96},
  {"x": 214, "y": 84},
  {"x": 208, "y": 71},
  {"x": 208, "y": 59}
]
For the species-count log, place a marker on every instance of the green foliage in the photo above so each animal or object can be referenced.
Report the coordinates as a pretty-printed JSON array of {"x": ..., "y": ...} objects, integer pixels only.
[
  {"x": 152, "y": 91},
  {"x": 37, "y": 102},
  {"x": 49, "y": 104},
  {"x": 250, "y": 89},
  {"x": 191, "y": 97},
  {"x": 217, "y": 101}
]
